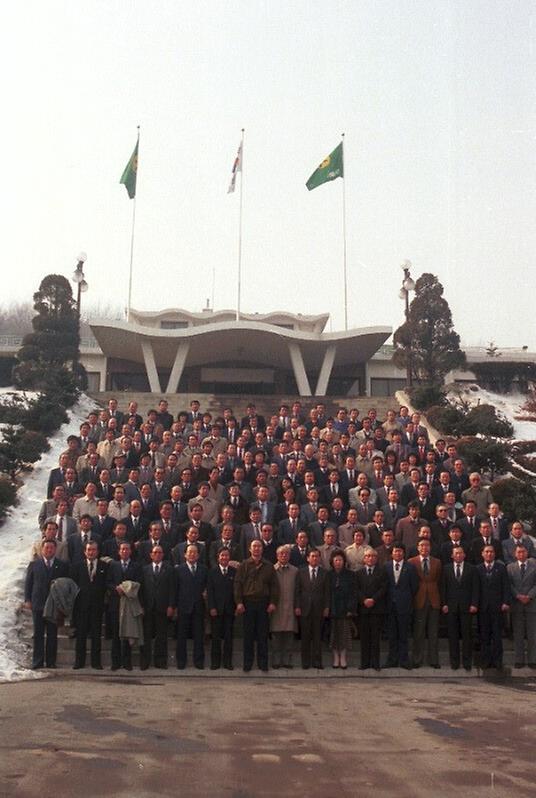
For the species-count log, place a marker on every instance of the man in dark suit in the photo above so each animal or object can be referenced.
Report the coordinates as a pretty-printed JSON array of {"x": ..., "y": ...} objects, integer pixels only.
[
  {"x": 154, "y": 539},
  {"x": 191, "y": 583},
  {"x": 158, "y": 598},
  {"x": 289, "y": 527},
  {"x": 459, "y": 602},
  {"x": 495, "y": 600},
  {"x": 455, "y": 540},
  {"x": 226, "y": 540},
  {"x": 57, "y": 475},
  {"x": 470, "y": 522},
  {"x": 102, "y": 524},
  {"x": 371, "y": 592},
  {"x": 39, "y": 576},
  {"x": 125, "y": 569},
  {"x": 178, "y": 552},
  {"x": 440, "y": 527},
  {"x": 484, "y": 538},
  {"x": 299, "y": 551},
  {"x": 221, "y": 608},
  {"x": 312, "y": 603},
  {"x": 206, "y": 533},
  {"x": 90, "y": 574},
  {"x": 137, "y": 526},
  {"x": 499, "y": 524},
  {"x": 76, "y": 544},
  {"x": 403, "y": 584},
  {"x": 105, "y": 489}
]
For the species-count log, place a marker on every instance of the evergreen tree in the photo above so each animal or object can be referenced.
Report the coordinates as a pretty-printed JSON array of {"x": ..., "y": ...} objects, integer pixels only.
[
  {"x": 48, "y": 357},
  {"x": 429, "y": 335}
]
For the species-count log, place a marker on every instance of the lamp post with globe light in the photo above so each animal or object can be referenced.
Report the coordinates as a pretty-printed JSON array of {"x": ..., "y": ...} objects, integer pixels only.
[
  {"x": 80, "y": 280},
  {"x": 82, "y": 286},
  {"x": 408, "y": 285}
]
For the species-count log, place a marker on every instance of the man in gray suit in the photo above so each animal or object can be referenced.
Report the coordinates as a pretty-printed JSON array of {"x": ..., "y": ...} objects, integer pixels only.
[
  {"x": 517, "y": 537},
  {"x": 522, "y": 576}
]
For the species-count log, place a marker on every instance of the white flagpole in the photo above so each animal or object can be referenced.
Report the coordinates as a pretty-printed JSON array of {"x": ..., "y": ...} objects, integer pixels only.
[
  {"x": 345, "y": 274},
  {"x": 239, "y": 285},
  {"x": 132, "y": 233}
]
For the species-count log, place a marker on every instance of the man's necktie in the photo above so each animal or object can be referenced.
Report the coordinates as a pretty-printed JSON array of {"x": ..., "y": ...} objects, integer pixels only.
[
  {"x": 314, "y": 574},
  {"x": 85, "y": 538},
  {"x": 369, "y": 571},
  {"x": 425, "y": 568},
  {"x": 225, "y": 571},
  {"x": 458, "y": 573},
  {"x": 523, "y": 568},
  {"x": 60, "y": 528},
  {"x": 156, "y": 570}
]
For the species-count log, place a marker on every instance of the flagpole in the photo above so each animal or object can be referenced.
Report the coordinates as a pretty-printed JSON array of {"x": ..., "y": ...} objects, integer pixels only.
[
  {"x": 132, "y": 235},
  {"x": 239, "y": 286},
  {"x": 345, "y": 274}
]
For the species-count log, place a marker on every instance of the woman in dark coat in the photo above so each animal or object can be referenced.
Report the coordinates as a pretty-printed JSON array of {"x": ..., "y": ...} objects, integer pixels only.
[{"x": 342, "y": 604}]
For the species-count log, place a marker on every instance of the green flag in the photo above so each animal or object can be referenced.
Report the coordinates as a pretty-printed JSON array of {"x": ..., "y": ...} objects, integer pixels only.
[
  {"x": 330, "y": 168},
  {"x": 128, "y": 178}
]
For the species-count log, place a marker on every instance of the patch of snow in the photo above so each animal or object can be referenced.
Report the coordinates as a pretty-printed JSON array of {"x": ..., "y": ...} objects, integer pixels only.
[{"x": 17, "y": 533}]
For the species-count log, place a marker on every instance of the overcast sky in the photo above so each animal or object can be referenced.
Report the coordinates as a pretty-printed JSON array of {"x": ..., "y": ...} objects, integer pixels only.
[{"x": 437, "y": 100}]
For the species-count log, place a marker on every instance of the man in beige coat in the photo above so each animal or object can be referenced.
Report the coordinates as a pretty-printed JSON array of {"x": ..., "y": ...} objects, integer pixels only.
[{"x": 283, "y": 621}]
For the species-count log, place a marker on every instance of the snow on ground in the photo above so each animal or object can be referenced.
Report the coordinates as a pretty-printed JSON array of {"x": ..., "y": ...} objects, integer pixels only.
[
  {"x": 17, "y": 533},
  {"x": 510, "y": 406}
]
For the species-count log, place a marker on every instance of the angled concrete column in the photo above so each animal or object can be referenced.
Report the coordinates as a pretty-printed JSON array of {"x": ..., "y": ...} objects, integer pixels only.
[
  {"x": 299, "y": 369},
  {"x": 103, "y": 372},
  {"x": 178, "y": 367},
  {"x": 150, "y": 366},
  {"x": 325, "y": 370}
]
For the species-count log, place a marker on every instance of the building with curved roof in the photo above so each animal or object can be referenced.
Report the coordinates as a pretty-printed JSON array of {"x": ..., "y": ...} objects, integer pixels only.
[{"x": 175, "y": 350}]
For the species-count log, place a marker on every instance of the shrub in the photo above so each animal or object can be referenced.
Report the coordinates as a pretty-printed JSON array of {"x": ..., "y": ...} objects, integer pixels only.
[
  {"x": 8, "y": 494},
  {"x": 20, "y": 447},
  {"x": 447, "y": 419},
  {"x": 483, "y": 454},
  {"x": 424, "y": 396},
  {"x": 45, "y": 415},
  {"x": 486, "y": 420},
  {"x": 517, "y": 499}
]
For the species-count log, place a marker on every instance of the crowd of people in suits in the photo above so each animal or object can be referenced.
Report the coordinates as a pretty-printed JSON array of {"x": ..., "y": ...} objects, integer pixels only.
[{"x": 322, "y": 529}]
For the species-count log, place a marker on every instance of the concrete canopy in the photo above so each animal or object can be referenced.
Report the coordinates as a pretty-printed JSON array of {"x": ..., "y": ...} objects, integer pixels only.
[{"x": 250, "y": 342}]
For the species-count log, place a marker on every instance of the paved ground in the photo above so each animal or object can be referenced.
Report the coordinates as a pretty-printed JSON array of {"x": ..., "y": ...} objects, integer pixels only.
[{"x": 159, "y": 736}]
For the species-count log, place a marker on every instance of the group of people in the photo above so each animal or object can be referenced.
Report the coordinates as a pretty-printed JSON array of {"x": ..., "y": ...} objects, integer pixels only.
[{"x": 321, "y": 528}]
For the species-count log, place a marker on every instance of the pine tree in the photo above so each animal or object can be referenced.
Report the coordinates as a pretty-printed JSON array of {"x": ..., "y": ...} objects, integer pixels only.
[
  {"x": 429, "y": 335},
  {"x": 49, "y": 354}
]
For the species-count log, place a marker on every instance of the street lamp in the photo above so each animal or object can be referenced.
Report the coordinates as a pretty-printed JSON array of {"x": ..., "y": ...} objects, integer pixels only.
[
  {"x": 79, "y": 279},
  {"x": 408, "y": 285}
]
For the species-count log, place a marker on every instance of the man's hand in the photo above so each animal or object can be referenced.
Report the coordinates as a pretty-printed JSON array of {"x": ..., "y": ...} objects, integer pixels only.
[
  {"x": 445, "y": 609},
  {"x": 297, "y": 612},
  {"x": 27, "y": 605},
  {"x": 271, "y": 608},
  {"x": 213, "y": 613},
  {"x": 369, "y": 602},
  {"x": 240, "y": 609},
  {"x": 170, "y": 612}
]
